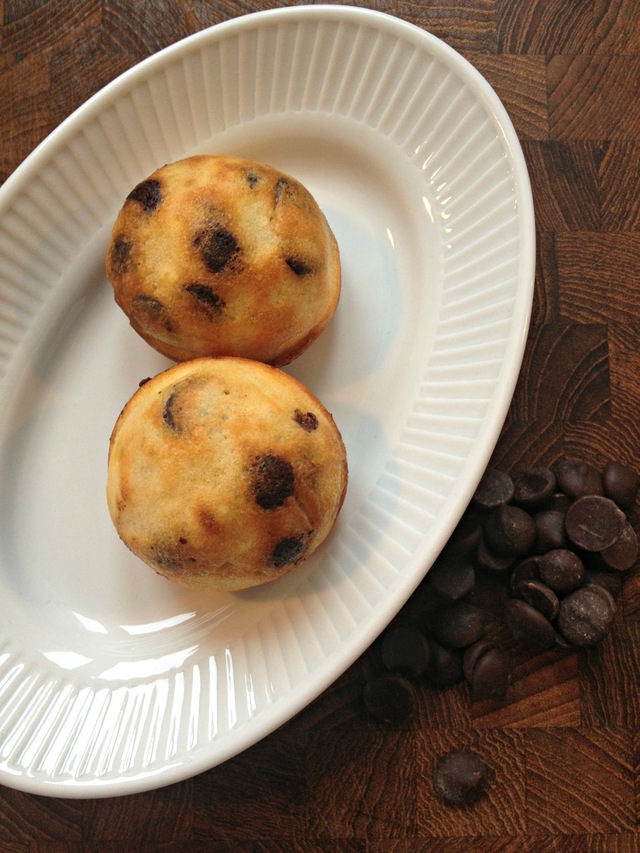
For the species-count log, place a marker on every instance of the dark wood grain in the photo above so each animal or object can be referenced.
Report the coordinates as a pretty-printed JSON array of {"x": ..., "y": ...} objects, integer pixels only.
[{"x": 564, "y": 746}]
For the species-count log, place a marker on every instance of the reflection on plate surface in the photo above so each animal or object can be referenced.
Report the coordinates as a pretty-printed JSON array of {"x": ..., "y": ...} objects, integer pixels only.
[{"x": 112, "y": 680}]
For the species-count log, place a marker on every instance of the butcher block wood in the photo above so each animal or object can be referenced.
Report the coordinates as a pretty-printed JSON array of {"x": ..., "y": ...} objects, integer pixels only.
[{"x": 563, "y": 747}]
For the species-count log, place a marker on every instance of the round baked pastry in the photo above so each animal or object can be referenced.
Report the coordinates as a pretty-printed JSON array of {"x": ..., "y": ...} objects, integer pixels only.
[
  {"x": 215, "y": 255},
  {"x": 224, "y": 473}
]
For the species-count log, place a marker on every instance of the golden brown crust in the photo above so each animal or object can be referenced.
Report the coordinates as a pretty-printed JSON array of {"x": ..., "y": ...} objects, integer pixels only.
[
  {"x": 215, "y": 255},
  {"x": 224, "y": 473}
]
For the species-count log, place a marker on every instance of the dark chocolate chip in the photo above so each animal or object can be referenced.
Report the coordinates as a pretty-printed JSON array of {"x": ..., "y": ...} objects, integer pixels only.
[
  {"x": 622, "y": 555},
  {"x": 283, "y": 190},
  {"x": 528, "y": 626},
  {"x": 487, "y": 559},
  {"x": 577, "y": 478},
  {"x": 445, "y": 665},
  {"x": 120, "y": 255},
  {"x": 405, "y": 649},
  {"x": 289, "y": 550},
  {"x": 540, "y": 596},
  {"x": 389, "y": 697},
  {"x": 611, "y": 581},
  {"x": 561, "y": 569},
  {"x": 510, "y": 531},
  {"x": 527, "y": 570},
  {"x": 452, "y": 579},
  {"x": 559, "y": 502},
  {"x": 621, "y": 484},
  {"x": 307, "y": 420},
  {"x": 495, "y": 488},
  {"x": 460, "y": 625},
  {"x": 490, "y": 592},
  {"x": 299, "y": 267},
  {"x": 272, "y": 481},
  {"x": 204, "y": 294},
  {"x": 472, "y": 655},
  {"x": 218, "y": 248},
  {"x": 460, "y": 777},
  {"x": 491, "y": 675},
  {"x": 586, "y": 615},
  {"x": 594, "y": 522},
  {"x": 534, "y": 487},
  {"x": 169, "y": 413},
  {"x": 466, "y": 537},
  {"x": 147, "y": 193},
  {"x": 550, "y": 532},
  {"x": 252, "y": 179},
  {"x": 152, "y": 309}
]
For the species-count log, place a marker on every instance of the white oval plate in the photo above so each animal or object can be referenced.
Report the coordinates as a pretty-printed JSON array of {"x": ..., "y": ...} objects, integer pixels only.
[{"x": 113, "y": 680}]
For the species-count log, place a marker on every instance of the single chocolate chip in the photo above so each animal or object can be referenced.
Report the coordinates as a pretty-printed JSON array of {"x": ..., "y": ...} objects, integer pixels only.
[
  {"x": 472, "y": 655},
  {"x": 298, "y": 266},
  {"x": 445, "y": 665},
  {"x": 147, "y": 193},
  {"x": 283, "y": 191},
  {"x": 495, "y": 488},
  {"x": 540, "y": 596},
  {"x": 272, "y": 480},
  {"x": 561, "y": 569},
  {"x": 405, "y": 649},
  {"x": 487, "y": 559},
  {"x": 586, "y": 615},
  {"x": 460, "y": 777},
  {"x": 534, "y": 487},
  {"x": 559, "y": 502},
  {"x": 466, "y": 537},
  {"x": 307, "y": 420},
  {"x": 528, "y": 626},
  {"x": 621, "y": 484},
  {"x": 527, "y": 570},
  {"x": 289, "y": 550},
  {"x": 452, "y": 579},
  {"x": 510, "y": 531},
  {"x": 460, "y": 625},
  {"x": 577, "y": 478},
  {"x": 550, "y": 532},
  {"x": 120, "y": 255},
  {"x": 218, "y": 248},
  {"x": 594, "y": 522},
  {"x": 206, "y": 296},
  {"x": 152, "y": 310},
  {"x": 491, "y": 675},
  {"x": 622, "y": 555},
  {"x": 389, "y": 697},
  {"x": 252, "y": 179}
]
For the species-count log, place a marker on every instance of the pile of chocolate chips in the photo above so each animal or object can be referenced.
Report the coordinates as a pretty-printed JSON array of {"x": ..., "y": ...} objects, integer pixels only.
[{"x": 543, "y": 554}]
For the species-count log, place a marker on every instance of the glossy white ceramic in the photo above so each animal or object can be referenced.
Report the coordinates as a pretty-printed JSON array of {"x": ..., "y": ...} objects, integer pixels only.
[{"x": 112, "y": 680}]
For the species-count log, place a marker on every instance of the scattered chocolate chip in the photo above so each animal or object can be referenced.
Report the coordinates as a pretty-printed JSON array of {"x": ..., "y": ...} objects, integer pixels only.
[
  {"x": 534, "y": 487},
  {"x": 550, "y": 532},
  {"x": 529, "y": 626},
  {"x": 120, "y": 255},
  {"x": 283, "y": 190},
  {"x": 594, "y": 522},
  {"x": 405, "y": 649},
  {"x": 510, "y": 531},
  {"x": 147, "y": 193},
  {"x": 144, "y": 381},
  {"x": 272, "y": 481},
  {"x": 621, "y": 484},
  {"x": 491, "y": 675},
  {"x": 445, "y": 665},
  {"x": 495, "y": 488},
  {"x": 452, "y": 579},
  {"x": 218, "y": 248},
  {"x": 577, "y": 478},
  {"x": 389, "y": 697},
  {"x": 252, "y": 179},
  {"x": 207, "y": 296},
  {"x": 299, "y": 267},
  {"x": 168, "y": 413},
  {"x": 307, "y": 420},
  {"x": 586, "y": 615},
  {"x": 540, "y": 596},
  {"x": 622, "y": 555},
  {"x": 460, "y": 625},
  {"x": 460, "y": 777},
  {"x": 561, "y": 569},
  {"x": 289, "y": 550}
]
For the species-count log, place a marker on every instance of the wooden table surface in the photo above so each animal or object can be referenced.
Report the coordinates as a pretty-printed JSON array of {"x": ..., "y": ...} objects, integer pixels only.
[{"x": 564, "y": 745}]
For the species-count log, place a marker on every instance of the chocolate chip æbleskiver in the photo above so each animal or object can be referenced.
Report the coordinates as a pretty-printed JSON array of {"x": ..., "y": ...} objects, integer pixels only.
[
  {"x": 224, "y": 473},
  {"x": 217, "y": 255}
]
